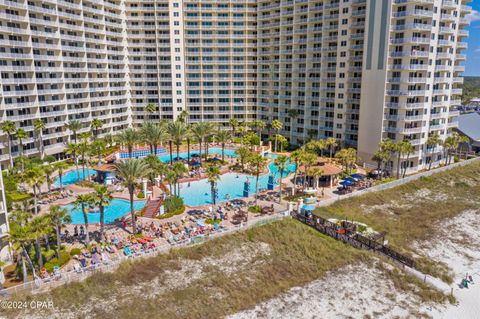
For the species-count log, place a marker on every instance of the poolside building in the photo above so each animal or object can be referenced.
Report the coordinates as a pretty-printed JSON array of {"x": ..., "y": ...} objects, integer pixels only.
[{"x": 355, "y": 70}]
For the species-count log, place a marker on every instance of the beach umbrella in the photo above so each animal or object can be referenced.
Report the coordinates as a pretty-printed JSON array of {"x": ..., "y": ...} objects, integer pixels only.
[
  {"x": 358, "y": 176},
  {"x": 346, "y": 183},
  {"x": 194, "y": 155}
]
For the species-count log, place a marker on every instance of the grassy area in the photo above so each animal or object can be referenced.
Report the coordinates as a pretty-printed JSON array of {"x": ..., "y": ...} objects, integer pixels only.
[
  {"x": 414, "y": 211},
  {"x": 219, "y": 277}
]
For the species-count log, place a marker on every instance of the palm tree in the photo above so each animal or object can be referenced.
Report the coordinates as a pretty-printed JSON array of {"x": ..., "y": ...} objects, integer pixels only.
[
  {"x": 258, "y": 164},
  {"x": 171, "y": 179},
  {"x": 109, "y": 140},
  {"x": 213, "y": 175},
  {"x": 408, "y": 149},
  {"x": 296, "y": 157},
  {"x": 154, "y": 165},
  {"x": 35, "y": 178},
  {"x": 243, "y": 155},
  {"x": 183, "y": 116},
  {"x": 150, "y": 108},
  {"x": 347, "y": 157},
  {"x": 308, "y": 159},
  {"x": 83, "y": 201},
  {"x": 331, "y": 143},
  {"x": 222, "y": 137},
  {"x": 282, "y": 140},
  {"x": 128, "y": 138},
  {"x": 315, "y": 172},
  {"x": 130, "y": 171},
  {"x": 49, "y": 170},
  {"x": 259, "y": 125},
  {"x": 8, "y": 127},
  {"x": 292, "y": 114},
  {"x": 59, "y": 217},
  {"x": 281, "y": 162},
  {"x": 101, "y": 198},
  {"x": 21, "y": 134},
  {"x": 188, "y": 137},
  {"x": 83, "y": 148},
  {"x": 317, "y": 146},
  {"x": 388, "y": 146},
  {"x": 21, "y": 235},
  {"x": 73, "y": 150},
  {"x": 201, "y": 132},
  {"x": 96, "y": 125},
  {"x": 277, "y": 126},
  {"x": 61, "y": 167},
  {"x": 98, "y": 147},
  {"x": 74, "y": 126},
  {"x": 179, "y": 169},
  {"x": 39, "y": 228},
  {"x": 209, "y": 129},
  {"x": 381, "y": 157},
  {"x": 177, "y": 131},
  {"x": 401, "y": 149},
  {"x": 233, "y": 124},
  {"x": 38, "y": 127}
]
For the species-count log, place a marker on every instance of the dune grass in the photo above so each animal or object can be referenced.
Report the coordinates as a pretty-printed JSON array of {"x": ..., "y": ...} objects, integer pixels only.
[
  {"x": 414, "y": 211},
  {"x": 297, "y": 254}
]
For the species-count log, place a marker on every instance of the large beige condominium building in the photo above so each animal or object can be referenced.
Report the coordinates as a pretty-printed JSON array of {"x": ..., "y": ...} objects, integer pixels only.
[{"x": 356, "y": 70}]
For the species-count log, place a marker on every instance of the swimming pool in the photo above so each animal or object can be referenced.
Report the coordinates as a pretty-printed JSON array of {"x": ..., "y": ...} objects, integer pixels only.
[
  {"x": 184, "y": 155},
  {"x": 72, "y": 177},
  {"x": 198, "y": 193},
  {"x": 118, "y": 208}
]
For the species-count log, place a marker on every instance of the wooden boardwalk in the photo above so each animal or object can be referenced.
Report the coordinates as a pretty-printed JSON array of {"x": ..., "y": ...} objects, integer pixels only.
[{"x": 353, "y": 239}]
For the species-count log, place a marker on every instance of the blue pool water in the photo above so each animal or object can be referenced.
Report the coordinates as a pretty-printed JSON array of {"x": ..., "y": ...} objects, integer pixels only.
[
  {"x": 212, "y": 150},
  {"x": 72, "y": 177},
  {"x": 198, "y": 193},
  {"x": 118, "y": 208}
]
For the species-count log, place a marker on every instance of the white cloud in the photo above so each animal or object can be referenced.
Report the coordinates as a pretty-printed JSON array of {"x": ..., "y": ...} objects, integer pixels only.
[{"x": 474, "y": 16}]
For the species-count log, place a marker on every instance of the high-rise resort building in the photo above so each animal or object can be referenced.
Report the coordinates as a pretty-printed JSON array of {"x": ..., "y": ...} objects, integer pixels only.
[
  {"x": 356, "y": 70},
  {"x": 4, "y": 249}
]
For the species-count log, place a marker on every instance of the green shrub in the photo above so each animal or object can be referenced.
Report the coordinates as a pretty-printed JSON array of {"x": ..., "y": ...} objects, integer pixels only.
[
  {"x": 361, "y": 228},
  {"x": 17, "y": 196},
  {"x": 172, "y": 204},
  {"x": 175, "y": 212},
  {"x": 255, "y": 209},
  {"x": 210, "y": 221},
  {"x": 75, "y": 251},
  {"x": 87, "y": 184},
  {"x": 64, "y": 258},
  {"x": 140, "y": 195},
  {"x": 48, "y": 254}
]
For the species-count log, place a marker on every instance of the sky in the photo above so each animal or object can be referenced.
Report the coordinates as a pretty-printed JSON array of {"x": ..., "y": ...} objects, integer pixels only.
[{"x": 472, "y": 66}]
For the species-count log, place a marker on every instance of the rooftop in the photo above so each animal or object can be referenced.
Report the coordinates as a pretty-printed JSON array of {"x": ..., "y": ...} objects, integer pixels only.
[{"x": 469, "y": 125}]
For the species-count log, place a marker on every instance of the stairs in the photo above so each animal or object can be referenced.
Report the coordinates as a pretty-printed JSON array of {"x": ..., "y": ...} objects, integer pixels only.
[{"x": 152, "y": 207}]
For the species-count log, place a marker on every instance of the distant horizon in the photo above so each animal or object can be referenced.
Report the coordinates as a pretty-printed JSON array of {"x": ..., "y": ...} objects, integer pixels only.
[{"x": 472, "y": 65}]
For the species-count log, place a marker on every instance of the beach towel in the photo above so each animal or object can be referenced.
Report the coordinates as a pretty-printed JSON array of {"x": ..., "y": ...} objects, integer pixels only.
[{"x": 127, "y": 251}]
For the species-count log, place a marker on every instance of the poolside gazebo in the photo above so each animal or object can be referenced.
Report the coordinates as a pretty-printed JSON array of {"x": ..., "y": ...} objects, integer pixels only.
[
  {"x": 330, "y": 173},
  {"x": 105, "y": 173}
]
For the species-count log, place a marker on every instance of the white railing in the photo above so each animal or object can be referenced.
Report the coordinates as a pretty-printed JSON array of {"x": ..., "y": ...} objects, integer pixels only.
[{"x": 65, "y": 277}]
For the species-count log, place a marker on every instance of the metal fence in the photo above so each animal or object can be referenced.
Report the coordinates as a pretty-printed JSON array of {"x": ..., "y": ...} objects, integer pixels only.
[{"x": 65, "y": 277}]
